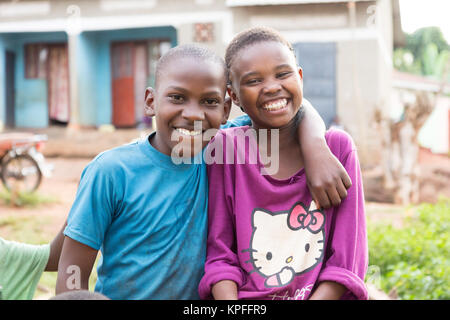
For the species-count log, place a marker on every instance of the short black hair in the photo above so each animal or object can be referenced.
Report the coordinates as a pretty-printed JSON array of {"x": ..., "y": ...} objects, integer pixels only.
[
  {"x": 252, "y": 36},
  {"x": 194, "y": 51}
]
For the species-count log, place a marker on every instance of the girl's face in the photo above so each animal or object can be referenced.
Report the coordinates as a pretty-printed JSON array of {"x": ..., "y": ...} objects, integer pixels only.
[{"x": 267, "y": 84}]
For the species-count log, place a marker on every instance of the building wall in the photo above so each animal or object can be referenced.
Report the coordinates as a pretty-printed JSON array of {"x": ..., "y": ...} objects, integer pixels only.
[
  {"x": 94, "y": 69},
  {"x": 31, "y": 108}
]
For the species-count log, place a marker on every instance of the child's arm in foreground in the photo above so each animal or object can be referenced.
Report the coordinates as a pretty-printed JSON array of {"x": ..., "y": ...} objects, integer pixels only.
[
  {"x": 346, "y": 257},
  {"x": 75, "y": 266},
  {"x": 327, "y": 179},
  {"x": 225, "y": 290},
  {"x": 55, "y": 250}
]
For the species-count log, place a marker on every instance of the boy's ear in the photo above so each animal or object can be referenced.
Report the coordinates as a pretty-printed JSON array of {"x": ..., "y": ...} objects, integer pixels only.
[
  {"x": 149, "y": 108},
  {"x": 227, "y": 109}
]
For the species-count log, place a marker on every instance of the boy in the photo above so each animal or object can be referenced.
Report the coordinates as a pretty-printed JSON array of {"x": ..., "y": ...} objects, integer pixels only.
[{"x": 147, "y": 214}]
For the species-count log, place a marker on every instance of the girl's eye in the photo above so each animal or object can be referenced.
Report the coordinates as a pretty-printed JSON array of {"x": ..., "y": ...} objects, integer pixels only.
[
  {"x": 211, "y": 102},
  {"x": 283, "y": 74}
]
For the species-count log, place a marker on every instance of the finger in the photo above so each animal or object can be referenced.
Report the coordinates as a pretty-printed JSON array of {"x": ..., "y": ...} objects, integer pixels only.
[
  {"x": 334, "y": 197},
  {"x": 316, "y": 201},
  {"x": 322, "y": 200},
  {"x": 341, "y": 189},
  {"x": 346, "y": 180}
]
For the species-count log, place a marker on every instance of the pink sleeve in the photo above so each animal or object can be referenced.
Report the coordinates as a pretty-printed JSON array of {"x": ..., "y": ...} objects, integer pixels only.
[
  {"x": 221, "y": 258},
  {"x": 346, "y": 256}
]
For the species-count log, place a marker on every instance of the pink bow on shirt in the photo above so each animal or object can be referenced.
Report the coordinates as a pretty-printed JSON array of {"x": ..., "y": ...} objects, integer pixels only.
[{"x": 299, "y": 217}]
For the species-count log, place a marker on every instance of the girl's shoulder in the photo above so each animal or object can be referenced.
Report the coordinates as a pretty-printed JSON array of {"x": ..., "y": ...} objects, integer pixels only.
[{"x": 340, "y": 142}]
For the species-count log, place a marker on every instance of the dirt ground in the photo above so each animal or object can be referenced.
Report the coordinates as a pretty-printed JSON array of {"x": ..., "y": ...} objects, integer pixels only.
[{"x": 62, "y": 185}]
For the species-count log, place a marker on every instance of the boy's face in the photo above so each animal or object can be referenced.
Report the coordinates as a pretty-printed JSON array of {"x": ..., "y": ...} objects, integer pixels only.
[
  {"x": 267, "y": 84},
  {"x": 189, "y": 91}
]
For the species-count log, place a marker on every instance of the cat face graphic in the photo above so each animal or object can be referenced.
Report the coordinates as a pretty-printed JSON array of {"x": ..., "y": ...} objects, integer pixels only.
[{"x": 288, "y": 243}]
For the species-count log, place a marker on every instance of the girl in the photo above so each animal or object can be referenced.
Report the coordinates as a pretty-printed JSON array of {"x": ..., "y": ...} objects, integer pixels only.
[{"x": 267, "y": 239}]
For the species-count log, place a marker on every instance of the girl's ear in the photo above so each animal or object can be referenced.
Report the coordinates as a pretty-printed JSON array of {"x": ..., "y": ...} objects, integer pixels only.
[
  {"x": 233, "y": 95},
  {"x": 300, "y": 72},
  {"x": 227, "y": 109},
  {"x": 149, "y": 108}
]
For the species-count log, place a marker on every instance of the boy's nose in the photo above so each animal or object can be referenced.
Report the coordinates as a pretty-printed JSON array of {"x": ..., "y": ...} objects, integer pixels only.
[{"x": 193, "y": 112}]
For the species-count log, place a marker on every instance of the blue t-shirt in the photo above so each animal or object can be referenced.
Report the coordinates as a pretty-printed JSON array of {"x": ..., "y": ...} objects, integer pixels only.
[{"x": 148, "y": 216}]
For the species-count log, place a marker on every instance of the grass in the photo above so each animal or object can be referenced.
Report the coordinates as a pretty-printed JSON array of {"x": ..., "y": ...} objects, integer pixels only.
[{"x": 26, "y": 199}]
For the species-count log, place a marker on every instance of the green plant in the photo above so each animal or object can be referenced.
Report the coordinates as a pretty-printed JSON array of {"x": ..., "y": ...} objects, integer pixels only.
[{"x": 414, "y": 260}]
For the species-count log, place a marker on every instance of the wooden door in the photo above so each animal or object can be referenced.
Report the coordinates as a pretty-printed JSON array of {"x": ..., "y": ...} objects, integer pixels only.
[
  {"x": 10, "y": 89},
  {"x": 140, "y": 75},
  {"x": 58, "y": 83},
  {"x": 123, "y": 114}
]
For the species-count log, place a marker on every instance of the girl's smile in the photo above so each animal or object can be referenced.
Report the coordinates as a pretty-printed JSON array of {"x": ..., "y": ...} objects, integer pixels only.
[{"x": 275, "y": 106}]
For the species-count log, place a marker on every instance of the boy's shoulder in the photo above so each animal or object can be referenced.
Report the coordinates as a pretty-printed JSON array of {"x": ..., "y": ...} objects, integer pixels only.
[
  {"x": 233, "y": 131},
  {"x": 340, "y": 142},
  {"x": 114, "y": 157},
  {"x": 230, "y": 136}
]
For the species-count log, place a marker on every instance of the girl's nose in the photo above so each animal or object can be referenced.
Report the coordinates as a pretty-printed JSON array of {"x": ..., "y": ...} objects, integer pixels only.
[{"x": 272, "y": 87}]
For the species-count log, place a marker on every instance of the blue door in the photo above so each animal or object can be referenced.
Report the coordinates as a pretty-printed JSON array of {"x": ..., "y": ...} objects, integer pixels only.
[
  {"x": 318, "y": 61},
  {"x": 10, "y": 89}
]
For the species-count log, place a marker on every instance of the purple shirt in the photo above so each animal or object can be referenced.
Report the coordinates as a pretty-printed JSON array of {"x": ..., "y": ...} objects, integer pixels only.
[{"x": 267, "y": 236}]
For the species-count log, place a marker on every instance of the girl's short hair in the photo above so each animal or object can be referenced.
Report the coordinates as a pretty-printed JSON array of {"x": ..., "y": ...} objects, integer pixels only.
[{"x": 252, "y": 36}]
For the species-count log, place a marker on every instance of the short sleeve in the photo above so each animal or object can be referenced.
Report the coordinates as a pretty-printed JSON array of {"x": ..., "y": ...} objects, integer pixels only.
[
  {"x": 240, "y": 121},
  {"x": 21, "y": 267},
  {"x": 93, "y": 208}
]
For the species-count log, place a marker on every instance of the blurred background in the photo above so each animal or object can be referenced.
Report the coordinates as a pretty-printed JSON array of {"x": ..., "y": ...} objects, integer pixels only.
[{"x": 76, "y": 72}]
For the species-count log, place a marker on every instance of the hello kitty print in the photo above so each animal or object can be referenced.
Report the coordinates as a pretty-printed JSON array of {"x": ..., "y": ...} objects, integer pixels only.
[{"x": 287, "y": 243}]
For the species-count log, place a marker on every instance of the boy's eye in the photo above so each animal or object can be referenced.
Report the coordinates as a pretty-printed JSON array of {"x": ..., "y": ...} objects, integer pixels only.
[
  {"x": 252, "y": 81},
  {"x": 176, "y": 98}
]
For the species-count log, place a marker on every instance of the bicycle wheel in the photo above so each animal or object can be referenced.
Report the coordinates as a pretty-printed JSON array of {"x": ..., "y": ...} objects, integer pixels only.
[{"x": 21, "y": 174}]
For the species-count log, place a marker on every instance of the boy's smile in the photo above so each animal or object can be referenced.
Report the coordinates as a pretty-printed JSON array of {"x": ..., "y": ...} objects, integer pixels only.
[
  {"x": 189, "y": 99},
  {"x": 267, "y": 84}
]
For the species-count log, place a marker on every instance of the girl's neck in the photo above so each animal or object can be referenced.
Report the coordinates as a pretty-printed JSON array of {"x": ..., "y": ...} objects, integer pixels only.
[
  {"x": 287, "y": 136},
  {"x": 287, "y": 146}
]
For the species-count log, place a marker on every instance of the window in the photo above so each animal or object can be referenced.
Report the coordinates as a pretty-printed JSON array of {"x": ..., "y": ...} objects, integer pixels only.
[{"x": 36, "y": 61}]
